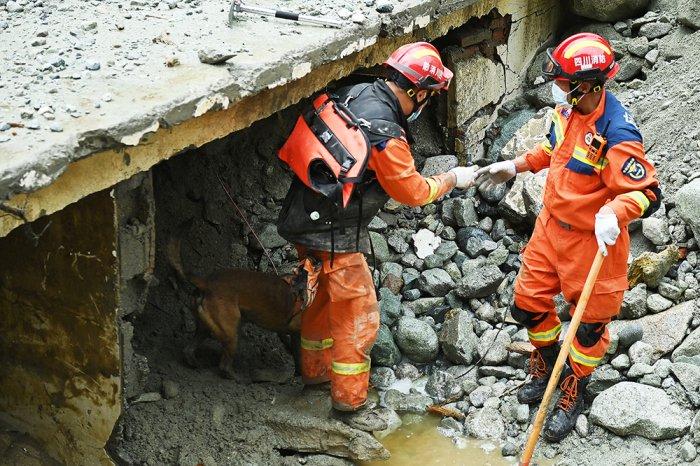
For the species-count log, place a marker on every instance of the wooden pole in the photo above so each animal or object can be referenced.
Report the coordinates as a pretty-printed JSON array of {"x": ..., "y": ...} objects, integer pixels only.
[{"x": 561, "y": 359}]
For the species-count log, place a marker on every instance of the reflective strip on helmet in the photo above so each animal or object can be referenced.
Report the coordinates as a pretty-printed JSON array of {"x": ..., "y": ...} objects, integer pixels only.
[
  {"x": 576, "y": 46},
  {"x": 582, "y": 359},
  {"x": 580, "y": 155},
  {"x": 346, "y": 368},
  {"x": 316, "y": 345},
  {"x": 641, "y": 200},
  {"x": 547, "y": 335},
  {"x": 424, "y": 52}
]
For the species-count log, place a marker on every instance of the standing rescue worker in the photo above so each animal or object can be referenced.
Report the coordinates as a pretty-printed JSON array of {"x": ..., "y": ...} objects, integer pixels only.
[
  {"x": 599, "y": 180},
  {"x": 338, "y": 329}
]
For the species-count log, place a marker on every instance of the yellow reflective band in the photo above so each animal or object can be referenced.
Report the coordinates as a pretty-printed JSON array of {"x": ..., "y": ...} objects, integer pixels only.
[
  {"x": 433, "y": 185},
  {"x": 424, "y": 52},
  {"x": 547, "y": 148},
  {"x": 558, "y": 128},
  {"x": 547, "y": 335},
  {"x": 582, "y": 359},
  {"x": 345, "y": 368},
  {"x": 583, "y": 44},
  {"x": 580, "y": 155},
  {"x": 316, "y": 345},
  {"x": 641, "y": 200}
]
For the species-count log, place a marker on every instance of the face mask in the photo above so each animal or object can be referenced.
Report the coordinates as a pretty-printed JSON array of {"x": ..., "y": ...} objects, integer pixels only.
[
  {"x": 560, "y": 97},
  {"x": 414, "y": 116}
]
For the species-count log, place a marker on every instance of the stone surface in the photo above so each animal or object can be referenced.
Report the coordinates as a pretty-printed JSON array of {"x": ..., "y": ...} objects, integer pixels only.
[
  {"x": 650, "y": 267},
  {"x": 492, "y": 347},
  {"x": 641, "y": 352},
  {"x": 439, "y": 164},
  {"x": 634, "y": 304},
  {"x": 635, "y": 409},
  {"x": 688, "y": 205},
  {"x": 407, "y": 403},
  {"x": 689, "y": 350},
  {"x": 657, "y": 303},
  {"x": 389, "y": 307},
  {"x": 688, "y": 375},
  {"x": 689, "y": 13},
  {"x": 435, "y": 282},
  {"x": 608, "y": 10},
  {"x": 385, "y": 352},
  {"x": 457, "y": 338},
  {"x": 663, "y": 331},
  {"x": 481, "y": 282},
  {"x": 656, "y": 230},
  {"x": 417, "y": 339},
  {"x": 655, "y": 30},
  {"x": 485, "y": 423},
  {"x": 603, "y": 378}
]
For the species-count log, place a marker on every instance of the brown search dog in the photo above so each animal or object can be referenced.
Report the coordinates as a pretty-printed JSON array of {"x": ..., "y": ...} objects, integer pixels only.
[{"x": 226, "y": 296}]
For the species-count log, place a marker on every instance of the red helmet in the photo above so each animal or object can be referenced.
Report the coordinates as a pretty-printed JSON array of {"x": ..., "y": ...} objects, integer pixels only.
[
  {"x": 581, "y": 57},
  {"x": 421, "y": 65}
]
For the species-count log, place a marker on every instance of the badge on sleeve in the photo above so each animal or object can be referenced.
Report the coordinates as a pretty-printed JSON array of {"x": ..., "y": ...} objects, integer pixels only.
[{"x": 634, "y": 169}]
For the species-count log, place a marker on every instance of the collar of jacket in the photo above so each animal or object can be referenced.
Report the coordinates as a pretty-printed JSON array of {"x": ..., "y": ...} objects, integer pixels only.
[{"x": 385, "y": 94}]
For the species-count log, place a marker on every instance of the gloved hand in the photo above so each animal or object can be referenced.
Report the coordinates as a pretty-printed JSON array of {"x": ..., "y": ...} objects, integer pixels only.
[
  {"x": 465, "y": 176},
  {"x": 606, "y": 228},
  {"x": 494, "y": 174}
]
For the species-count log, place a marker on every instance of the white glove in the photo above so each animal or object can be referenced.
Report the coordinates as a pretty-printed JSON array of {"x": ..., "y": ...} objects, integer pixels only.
[
  {"x": 606, "y": 228},
  {"x": 495, "y": 174},
  {"x": 465, "y": 176}
]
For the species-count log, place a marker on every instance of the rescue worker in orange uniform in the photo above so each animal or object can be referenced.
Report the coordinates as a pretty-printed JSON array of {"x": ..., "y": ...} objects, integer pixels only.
[
  {"x": 598, "y": 182},
  {"x": 340, "y": 326}
]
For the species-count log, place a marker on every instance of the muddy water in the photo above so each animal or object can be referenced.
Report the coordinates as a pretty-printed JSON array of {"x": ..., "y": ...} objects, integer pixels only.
[{"x": 417, "y": 442}]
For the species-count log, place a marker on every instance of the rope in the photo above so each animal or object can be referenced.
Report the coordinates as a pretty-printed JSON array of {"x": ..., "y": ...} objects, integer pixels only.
[{"x": 243, "y": 217}]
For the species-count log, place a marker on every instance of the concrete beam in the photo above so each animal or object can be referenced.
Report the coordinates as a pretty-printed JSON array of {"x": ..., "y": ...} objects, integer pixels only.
[
  {"x": 60, "y": 362},
  {"x": 41, "y": 177}
]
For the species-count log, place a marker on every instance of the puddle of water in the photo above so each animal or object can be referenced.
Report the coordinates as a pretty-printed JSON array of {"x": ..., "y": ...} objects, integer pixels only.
[{"x": 417, "y": 442}]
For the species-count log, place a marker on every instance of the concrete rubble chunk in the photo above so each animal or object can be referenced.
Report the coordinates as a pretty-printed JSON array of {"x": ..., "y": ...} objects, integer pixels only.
[
  {"x": 213, "y": 56},
  {"x": 656, "y": 230},
  {"x": 634, "y": 409},
  {"x": 480, "y": 282},
  {"x": 439, "y": 164},
  {"x": 436, "y": 282}
]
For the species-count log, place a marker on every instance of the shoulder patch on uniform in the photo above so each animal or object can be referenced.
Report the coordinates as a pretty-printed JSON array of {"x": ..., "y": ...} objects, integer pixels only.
[{"x": 633, "y": 169}]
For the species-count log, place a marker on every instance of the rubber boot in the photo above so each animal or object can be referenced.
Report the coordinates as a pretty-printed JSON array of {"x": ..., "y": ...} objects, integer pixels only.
[
  {"x": 570, "y": 405},
  {"x": 541, "y": 365}
]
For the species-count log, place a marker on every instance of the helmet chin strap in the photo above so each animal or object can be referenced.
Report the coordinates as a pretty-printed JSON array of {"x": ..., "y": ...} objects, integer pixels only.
[{"x": 577, "y": 96}]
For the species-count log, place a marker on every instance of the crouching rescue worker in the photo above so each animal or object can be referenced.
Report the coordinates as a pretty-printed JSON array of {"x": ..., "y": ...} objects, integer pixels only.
[
  {"x": 350, "y": 152},
  {"x": 599, "y": 180}
]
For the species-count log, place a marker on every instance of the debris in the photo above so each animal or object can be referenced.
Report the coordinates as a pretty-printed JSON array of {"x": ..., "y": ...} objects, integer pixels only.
[{"x": 214, "y": 57}]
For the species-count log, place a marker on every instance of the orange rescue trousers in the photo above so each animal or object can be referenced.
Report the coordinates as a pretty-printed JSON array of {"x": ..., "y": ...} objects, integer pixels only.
[
  {"x": 557, "y": 258},
  {"x": 338, "y": 329}
]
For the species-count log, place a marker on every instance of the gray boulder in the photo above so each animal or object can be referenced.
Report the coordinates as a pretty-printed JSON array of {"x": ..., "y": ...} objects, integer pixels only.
[
  {"x": 385, "y": 352},
  {"x": 603, "y": 378},
  {"x": 381, "y": 248},
  {"x": 688, "y": 375},
  {"x": 608, "y": 10},
  {"x": 657, "y": 303},
  {"x": 464, "y": 212},
  {"x": 656, "y": 230},
  {"x": 443, "y": 386},
  {"x": 435, "y": 282},
  {"x": 439, "y": 164},
  {"x": 423, "y": 305},
  {"x": 407, "y": 403},
  {"x": 634, "y": 304},
  {"x": 480, "y": 282},
  {"x": 689, "y": 13},
  {"x": 688, "y": 205},
  {"x": 382, "y": 377},
  {"x": 487, "y": 422},
  {"x": 493, "y": 347},
  {"x": 417, "y": 339},
  {"x": 457, "y": 338},
  {"x": 630, "y": 67},
  {"x": 389, "y": 307},
  {"x": 689, "y": 350},
  {"x": 655, "y": 30},
  {"x": 634, "y": 409},
  {"x": 663, "y": 331}
]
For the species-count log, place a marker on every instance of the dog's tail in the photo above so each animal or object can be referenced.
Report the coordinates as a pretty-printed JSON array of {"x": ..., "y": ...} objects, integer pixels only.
[{"x": 173, "y": 252}]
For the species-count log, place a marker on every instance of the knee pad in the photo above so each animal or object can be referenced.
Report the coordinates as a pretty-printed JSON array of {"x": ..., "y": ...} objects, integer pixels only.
[
  {"x": 527, "y": 318},
  {"x": 589, "y": 334}
]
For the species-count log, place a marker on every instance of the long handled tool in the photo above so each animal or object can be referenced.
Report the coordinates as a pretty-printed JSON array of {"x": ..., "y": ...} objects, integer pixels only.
[
  {"x": 561, "y": 359},
  {"x": 237, "y": 6}
]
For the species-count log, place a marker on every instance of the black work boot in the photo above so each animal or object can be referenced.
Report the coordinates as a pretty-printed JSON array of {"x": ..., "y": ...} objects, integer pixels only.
[
  {"x": 570, "y": 405},
  {"x": 541, "y": 364}
]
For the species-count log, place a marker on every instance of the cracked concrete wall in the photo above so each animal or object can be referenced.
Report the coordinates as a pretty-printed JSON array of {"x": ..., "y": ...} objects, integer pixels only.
[
  {"x": 489, "y": 68},
  {"x": 60, "y": 371}
]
